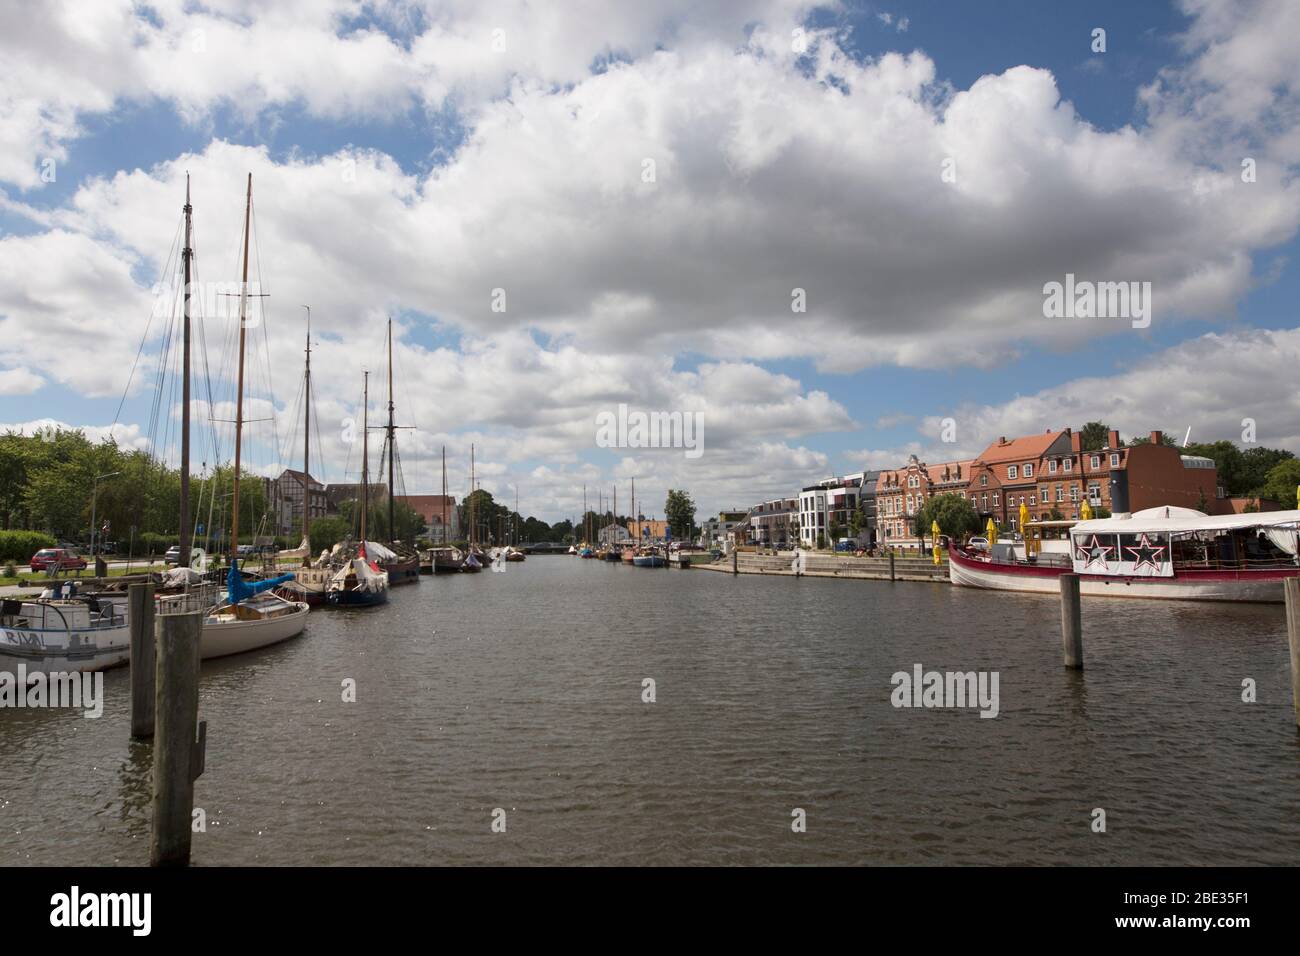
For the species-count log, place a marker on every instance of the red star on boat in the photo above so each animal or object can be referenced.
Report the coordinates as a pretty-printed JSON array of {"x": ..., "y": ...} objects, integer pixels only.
[
  {"x": 1147, "y": 554},
  {"x": 1095, "y": 552}
]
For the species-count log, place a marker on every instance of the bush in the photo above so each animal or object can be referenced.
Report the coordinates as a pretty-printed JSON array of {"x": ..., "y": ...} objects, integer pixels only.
[
  {"x": 21, "y": 545},
  {"x": 10, "y": 570}
]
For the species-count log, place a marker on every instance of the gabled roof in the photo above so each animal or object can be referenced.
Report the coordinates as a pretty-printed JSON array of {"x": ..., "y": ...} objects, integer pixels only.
[{"x": 1026, "y": 448}]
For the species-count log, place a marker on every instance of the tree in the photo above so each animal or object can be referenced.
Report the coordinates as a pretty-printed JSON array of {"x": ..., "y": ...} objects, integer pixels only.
[
  {"x": 1094, "y": 436},
  {"x": 326, "y": 532},
  {"x": 1281, "y": 481},
  {"x": 955, "y": 514},
  {"x": 679, "y": 509},
  {"x": 836, "y": 530},
  {"x": 1257, "y": 462}
]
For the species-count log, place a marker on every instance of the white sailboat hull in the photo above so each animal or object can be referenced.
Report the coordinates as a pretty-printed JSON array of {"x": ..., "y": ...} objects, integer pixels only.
[{"x": 224, "y": 638}]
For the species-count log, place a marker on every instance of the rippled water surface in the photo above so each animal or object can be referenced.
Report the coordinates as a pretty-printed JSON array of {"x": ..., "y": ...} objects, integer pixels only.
[{"x": 523, "y": 691}]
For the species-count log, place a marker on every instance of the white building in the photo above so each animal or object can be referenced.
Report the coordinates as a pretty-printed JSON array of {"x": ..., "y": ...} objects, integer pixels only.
[{"x": 830, "y": 501}]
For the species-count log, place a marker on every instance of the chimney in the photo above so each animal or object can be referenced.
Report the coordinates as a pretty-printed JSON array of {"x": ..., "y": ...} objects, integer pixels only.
[
  {"x": 1114, "y": 439},
  {"x": 1002, "y": 440},
  {"x": 1157, "y": 438},
  {"x": 1076, "y": 442}
]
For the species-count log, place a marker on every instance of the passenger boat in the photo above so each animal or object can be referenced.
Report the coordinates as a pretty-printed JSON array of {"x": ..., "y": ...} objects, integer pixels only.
[
  {"x": 61, "y": 634},
  {"x": 515, "y": 555},
  {"x": 1169, "y": 552}
]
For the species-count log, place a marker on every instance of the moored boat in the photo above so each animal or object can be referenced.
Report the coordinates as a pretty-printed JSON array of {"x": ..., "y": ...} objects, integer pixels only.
[
  {"x": 63, "y": 634},
  {"x": 1170, "y": 553}
]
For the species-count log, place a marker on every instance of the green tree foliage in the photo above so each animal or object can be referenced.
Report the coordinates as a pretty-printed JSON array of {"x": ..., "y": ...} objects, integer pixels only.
[
  {"x": 326, "y": 532},
  {"x": 1094, "y": 436},
  {"x": 954, "y": 513},
  {"x": 19, "y": 546},
  {"x": 679, "y": 510},
  {"x": 1281, "y": 481}
]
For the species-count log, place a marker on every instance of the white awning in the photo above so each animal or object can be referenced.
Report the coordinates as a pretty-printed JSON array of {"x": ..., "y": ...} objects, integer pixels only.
[{"x": 1185, "y": 520}]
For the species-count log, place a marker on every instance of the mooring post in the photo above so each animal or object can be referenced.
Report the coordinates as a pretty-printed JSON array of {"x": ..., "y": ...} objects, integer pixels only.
[
  {"x": 140, "y": 621},
  {"x": 178, "y": 758},
  {"x": 891, "y": 565},
  {"x": 1291, "y": 588},
  {"x": 1071, "y": 621},
  {"x": 735, "y": 561}
]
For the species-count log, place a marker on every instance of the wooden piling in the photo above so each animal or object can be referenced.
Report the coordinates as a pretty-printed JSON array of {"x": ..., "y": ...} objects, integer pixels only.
[
  {"x": 1071, "y": 621},
  {"x": 140, "y": 621},
  {"x": 177, "y": 757},
  {"x": 891, "y": 565},
  {"x": 1291, "y": 589},
  {"x": 735, "y": 561}
]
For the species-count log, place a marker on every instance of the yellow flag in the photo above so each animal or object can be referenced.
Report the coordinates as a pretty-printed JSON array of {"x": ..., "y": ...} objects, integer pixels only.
[
  {"x": 1024, "y": 516},
  {"x": 992, "y": 531},
  {"x": 1085, "y": 512},
  {"x": 935, "y": 530}
]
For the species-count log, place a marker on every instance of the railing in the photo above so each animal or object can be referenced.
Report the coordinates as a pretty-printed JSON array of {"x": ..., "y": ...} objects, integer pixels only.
[{"x": 198, "y": 599}]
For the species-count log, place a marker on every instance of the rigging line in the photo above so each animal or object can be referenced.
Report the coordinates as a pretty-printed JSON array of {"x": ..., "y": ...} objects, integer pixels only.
[{"x": 117, "y": 416}]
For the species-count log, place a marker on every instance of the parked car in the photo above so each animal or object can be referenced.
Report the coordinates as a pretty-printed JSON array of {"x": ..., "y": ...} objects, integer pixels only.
[
  {"x": 48, "y": 558},
  {"x": 846, "y": 546},
  {"x": 173, "y": 555},
  {"x": 244, "y": 550},
  {"x": 978, "y": 544}
]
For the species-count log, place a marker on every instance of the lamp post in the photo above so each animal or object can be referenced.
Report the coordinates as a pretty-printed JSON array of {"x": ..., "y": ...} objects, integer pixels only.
[{"x": 94, "y": 500}]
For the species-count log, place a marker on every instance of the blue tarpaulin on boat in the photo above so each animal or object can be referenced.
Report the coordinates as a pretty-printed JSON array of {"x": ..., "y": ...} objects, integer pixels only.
[{"x": 237, "y": 589}]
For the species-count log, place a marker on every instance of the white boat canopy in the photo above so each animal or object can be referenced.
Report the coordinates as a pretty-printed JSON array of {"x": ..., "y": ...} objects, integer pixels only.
[{"x": 1172, "y": 520}]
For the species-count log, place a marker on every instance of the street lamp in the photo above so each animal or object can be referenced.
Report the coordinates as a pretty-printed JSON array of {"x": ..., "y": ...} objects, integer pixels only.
[{"x": 94, "y": 496}]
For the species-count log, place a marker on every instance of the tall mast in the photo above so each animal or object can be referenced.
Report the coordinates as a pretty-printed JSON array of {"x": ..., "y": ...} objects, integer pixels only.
[
  {"x": 586, "y": 519},
  {"x": 614, "y": 523},
  {"x": 392, "y": 441},
  {"x": 444, "y": 494},
  {"x": 636, "y": 519},
  {"x": 473, "y": 523},
  {"x": 365, "y": 455},
  {"x": 514, "y": 531},
  {"x": 239, "y": 394},
  {"x": 187, "y": 253},
  {"x": 306, "y": 432}
]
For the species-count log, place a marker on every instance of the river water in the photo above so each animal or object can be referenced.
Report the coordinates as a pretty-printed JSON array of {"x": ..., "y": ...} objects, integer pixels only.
[{"x": 523, "y": 691}]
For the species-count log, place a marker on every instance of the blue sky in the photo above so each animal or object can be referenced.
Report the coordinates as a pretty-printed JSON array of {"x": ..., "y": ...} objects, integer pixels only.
[{"x": 427, "y": 135}]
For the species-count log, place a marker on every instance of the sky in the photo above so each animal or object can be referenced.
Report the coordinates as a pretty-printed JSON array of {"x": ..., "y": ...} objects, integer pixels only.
[{"x": 822, "y": 232}]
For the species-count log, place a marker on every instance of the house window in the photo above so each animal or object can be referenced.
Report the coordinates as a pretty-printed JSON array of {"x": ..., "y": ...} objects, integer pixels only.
[
  {"x": 1033, "y": 499},
  {"x": 1074, "y": 493},
  {"x": 909, "y": 504},
  {"x": 1094, "y": 493},
  {"x": 1011, "y": 471},
  {"x": 984, "y": 481},
  {"x": 1029, "y": 470},
  {"x": 1096, "y": 462},
  {"x": 1068, "y": 464},
  {"x": 1114, "y": 460},
  {"x": 1051, "y": 467},
  {"x": 984, "y": 501},
  {"x": 995, "y": 499},
  {"x": 1060, "y": 493}
]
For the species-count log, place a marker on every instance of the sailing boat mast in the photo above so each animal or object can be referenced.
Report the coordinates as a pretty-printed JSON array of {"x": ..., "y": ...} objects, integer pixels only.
[
  {"x": 473, "y": 523},
  {"x": 392, "y": 442},
  {"x": 184, "y": 540},
  {"x": 365, "y": 456},
  {"x": 306, "y": 433},
  {"x": 239, "y": 393},
  {"x": 444, "y": 494}
]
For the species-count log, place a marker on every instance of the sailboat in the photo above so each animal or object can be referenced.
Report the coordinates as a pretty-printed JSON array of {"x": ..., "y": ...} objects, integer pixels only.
[
  {"x": 445, "y": 559},
  {"x": 402, "y": 563},
  {"x": 476, "y": 559},
  {"x": 310, "y": 582},
  {"x": 360, "y": 582},
  {"x": 252, "y": 615}
]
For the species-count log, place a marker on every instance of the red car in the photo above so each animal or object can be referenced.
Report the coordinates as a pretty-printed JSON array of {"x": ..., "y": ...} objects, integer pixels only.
[{"x": 48, "y": 558}]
